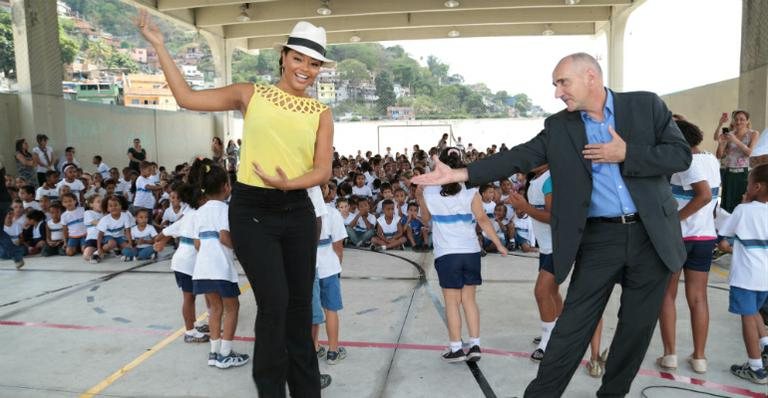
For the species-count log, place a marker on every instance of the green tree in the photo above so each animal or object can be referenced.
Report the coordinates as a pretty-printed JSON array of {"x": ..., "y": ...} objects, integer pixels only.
[
  {"x": 7, "y": 56},
  {"x": 354, "y": 71},
  {"x": 118, "y": 60},
  {"x": 268, "y": 62},
  {"x": 437, "y": 68},
  {"x": 405, "y": 71},
  {"x": 385, "y": 91},
  {"x": 99, "y": 52},
  {"x": 523, "y": 104}
]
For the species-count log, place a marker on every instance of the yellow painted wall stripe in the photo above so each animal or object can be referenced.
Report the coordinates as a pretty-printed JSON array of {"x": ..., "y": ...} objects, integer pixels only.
[{"x": 93, "y": 391}]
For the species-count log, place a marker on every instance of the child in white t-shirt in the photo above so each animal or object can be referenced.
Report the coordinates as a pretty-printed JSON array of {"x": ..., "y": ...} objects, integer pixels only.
[
  {"x": 143, "y": 236},
  {"x": 27, "y": 196},
  {"x": 214, "y": 274},
  {"x": 54, "y": 241},
  {"x": 49, "y": 187},
  {"x": 360, "y": 188},
  {"x": 175, "y": 211},
  {"x": 389, "y": 232},
  {"x": 74, "y": 227},
  {"x": 500, "y": 226},
  {"x": 75, "y": 185},
  {"x": 749, "y": 273},
  {"x": 91, "y": 218},
  {"x": 330, "y": 251},
  {"x": 522, "y": 228},
  {"x": 361, "y": 225},
  {"x": 114, "y": 230},
  {"x": 145, "y": 188},
  {"x": 487, "y": 193}
]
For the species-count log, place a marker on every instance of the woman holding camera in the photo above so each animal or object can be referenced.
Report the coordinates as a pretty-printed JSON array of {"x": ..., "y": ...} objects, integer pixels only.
[{"x": 735, "y": 144}]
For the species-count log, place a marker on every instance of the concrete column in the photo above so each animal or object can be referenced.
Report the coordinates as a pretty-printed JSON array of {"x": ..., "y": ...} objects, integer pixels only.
[
  {"x": 38, "y": 70},
  {"x": 753, "y": 81},
  {"x": 615, "y": 31},
  {"x": 222, "y": 50}
]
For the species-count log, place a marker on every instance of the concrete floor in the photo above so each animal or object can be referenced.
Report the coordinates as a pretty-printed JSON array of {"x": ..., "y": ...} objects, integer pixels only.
[{"x": 113, "y": 329}]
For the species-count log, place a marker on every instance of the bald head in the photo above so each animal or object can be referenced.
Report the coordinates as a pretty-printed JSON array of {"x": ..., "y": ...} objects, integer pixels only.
[
  {"x": 578, "y": 81},
  {"x": 582, "y": 62}
]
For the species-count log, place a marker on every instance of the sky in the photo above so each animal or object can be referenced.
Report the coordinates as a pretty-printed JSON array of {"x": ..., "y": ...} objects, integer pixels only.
[{"x": 670, "y": 45}]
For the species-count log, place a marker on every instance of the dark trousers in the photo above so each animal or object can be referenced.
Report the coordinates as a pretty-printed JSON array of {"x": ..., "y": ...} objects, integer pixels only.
[
  {"x": 609, "y": 254},
  {"x": 275, "y": 239}
]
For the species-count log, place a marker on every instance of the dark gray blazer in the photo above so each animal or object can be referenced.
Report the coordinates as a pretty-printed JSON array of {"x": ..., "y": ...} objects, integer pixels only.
[{"x": 655, "y": 149}]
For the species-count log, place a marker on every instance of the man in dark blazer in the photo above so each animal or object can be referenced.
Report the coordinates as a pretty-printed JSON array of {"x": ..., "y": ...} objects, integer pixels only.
[{"x": 613, "y": 216}]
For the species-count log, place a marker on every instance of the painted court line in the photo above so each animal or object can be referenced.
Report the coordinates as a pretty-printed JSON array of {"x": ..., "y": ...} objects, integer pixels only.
[{"x": 170, "y": 336}]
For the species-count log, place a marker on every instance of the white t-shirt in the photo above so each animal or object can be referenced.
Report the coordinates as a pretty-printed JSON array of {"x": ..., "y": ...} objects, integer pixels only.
[
  {"x": 499, "y": 228},
  {"x": 360, "y": 226},
  {"x": 51, "y": 193},
  {"x": 91, "y": 220},
  {"x": 14, "y": 232},
  {"x": 332, "y": 231},
  {"x": 103, "y": 169},
  {"x": 214, "y": 260},
  {"x": 524, "y": 228},
  {"x": 316, "y": 196},
  {"x": 33, "y": 204},
  {"x": 183, "y": 259},
  {"x": 540, "y": 187},
  {"x": 92, "y": 191},
  {"x": 172, "y": 216},
  {"x": 114, "y": 227},
  {"x": 489, "y": 208},
  {"x": 749, "y": 266},
  {"x": 362, "y": 191},
  {"x": 75, "y": 187},
  {"x": 123, "y": 187},
  {"x": 57, "y": 229},
  {"x": 41, "y": 155},
  {"x": 36, "y": 234},
  {"x": 699, "y": 225},
  {"x": 389, "y": 229},
  {"x": 74, "y": 222},
  {"x": 453, "y": 224},
  {"x": 144, "y": 197},
  {"x": 148, "y": 232}
]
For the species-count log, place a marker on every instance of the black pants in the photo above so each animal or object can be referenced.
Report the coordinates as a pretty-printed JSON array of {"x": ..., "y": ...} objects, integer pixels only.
[
  {"x": 609, "y": 254},
  {"x": 274, "y": 236}
]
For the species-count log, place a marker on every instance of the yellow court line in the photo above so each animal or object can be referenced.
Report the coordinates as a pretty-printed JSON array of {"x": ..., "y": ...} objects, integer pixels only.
[{"x": 93, "y": 391}]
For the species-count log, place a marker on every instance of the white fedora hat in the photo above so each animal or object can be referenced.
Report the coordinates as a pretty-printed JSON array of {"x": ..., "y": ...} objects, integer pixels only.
[{"x": 309, "y": 40}]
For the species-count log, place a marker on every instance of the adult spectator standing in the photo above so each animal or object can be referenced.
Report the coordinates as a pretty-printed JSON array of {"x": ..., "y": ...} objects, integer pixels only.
[
  {"x": 217, "y": 147},
  {"x": 44, "y": 158},
  {"x": 68, "y": 158},
  {"x": 233, "y": 159},
  {"x": 136, "y": 154},
  {"x": 613, "y": 213},
  {"x": 25, "y": 164},
  {"x": 735, "y": 146}
]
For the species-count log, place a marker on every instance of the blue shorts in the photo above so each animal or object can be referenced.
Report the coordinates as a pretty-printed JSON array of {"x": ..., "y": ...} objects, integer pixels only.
[
  {"x": 699, "y": 255},
  {"x": 90, "y": 243},
  {"x": 330, "y": 293},
  {"x": 487, "y": 242},
  {"x": 221, "y": 287},
  {"x": 76, "y": 242},
  {"x": 520, "y": 241},
  {"x": 183, "y": 281},
  {"x": 456, "y": 270},
  {"x": 745, "y": 302},
  {"x": 547, "y": 263},
  {"x": 119, "y": 240},
  {"x": 318, "y": 316}
]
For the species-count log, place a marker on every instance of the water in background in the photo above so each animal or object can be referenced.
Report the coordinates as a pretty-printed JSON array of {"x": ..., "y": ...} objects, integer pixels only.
[{"x": 375, "y": 136}]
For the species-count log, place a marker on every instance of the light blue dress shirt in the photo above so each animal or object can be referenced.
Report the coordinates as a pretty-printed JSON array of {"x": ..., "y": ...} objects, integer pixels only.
[{"x": 610, "y": 197}]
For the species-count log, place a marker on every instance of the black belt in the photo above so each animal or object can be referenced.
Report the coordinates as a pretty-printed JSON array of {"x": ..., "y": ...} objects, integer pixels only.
[{"x": 622, "y": 219}]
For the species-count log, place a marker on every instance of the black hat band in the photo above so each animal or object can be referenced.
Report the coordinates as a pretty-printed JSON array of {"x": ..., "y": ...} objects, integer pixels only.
[{"x": 298, "y": 41}]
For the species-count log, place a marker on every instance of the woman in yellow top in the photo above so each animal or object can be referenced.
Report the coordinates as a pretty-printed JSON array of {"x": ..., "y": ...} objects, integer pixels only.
[{"x": 287, "y": 147}]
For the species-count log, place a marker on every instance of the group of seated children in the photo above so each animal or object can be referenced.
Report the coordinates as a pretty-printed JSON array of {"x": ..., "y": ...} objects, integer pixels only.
[{"x": 513, "y": 226}]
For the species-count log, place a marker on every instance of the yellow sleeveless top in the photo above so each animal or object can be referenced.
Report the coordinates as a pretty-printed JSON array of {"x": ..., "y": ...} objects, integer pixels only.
[{"x": 279, "y": 129}]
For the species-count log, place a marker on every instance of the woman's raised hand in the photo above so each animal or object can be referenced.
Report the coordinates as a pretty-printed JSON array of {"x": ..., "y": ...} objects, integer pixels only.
[
  {"x": 148, "y": 29},
  {"x": 442, "y": 174}
]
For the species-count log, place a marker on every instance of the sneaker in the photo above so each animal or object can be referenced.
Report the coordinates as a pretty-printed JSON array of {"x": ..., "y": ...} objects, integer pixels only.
[
  {"x": 537, "y": 355},
  {"x": 194, "y": 339},
  {"x": 321, "y": 352},
  {"x": 19, "y": 264},
  {"x": 333, "y": 357},
  {"x": 203, "y": 329},
  {"x": 153, "y": 257},
  {"x": 699, "y": 365},
  {"x": 759, "y": 376},
  {"x": 595, "y": 368},
  {"x": 212, "y": 358},
  {"x": 325, "y": 381},
  {"x": 452, "y": 357},
  {"x": 232, "y": 360},
  {"x": 124, "y": 258},
  {"x": 536, "y": 340},
  {"x": 474, "y": 354},
  {"x": 667, "y": 362},
  {"x": 95, "y": 259}
]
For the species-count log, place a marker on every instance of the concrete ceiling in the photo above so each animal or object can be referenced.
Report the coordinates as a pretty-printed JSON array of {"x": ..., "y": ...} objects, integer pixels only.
[{"x": 383, "y": 20}]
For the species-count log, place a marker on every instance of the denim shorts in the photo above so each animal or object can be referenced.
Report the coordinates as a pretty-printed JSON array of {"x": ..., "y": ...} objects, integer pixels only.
[
  {"x": 221, "y": 287},
  {"x": 487, "y": 242},
  {"x": 119, "y": 240},
  {"x": 520, "y": 241},
  {"x": 745, "y": 302},
  {"x": 330, "y": 293},
  {"x": 318, "y": 316},
  {"x": 456, "y": 270},
  {"x": 76, "y": 242},
  {"x": 183, "y": 281},
  {"x": 699, "y": 255},
  {"x": 547, "y": 263}
]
